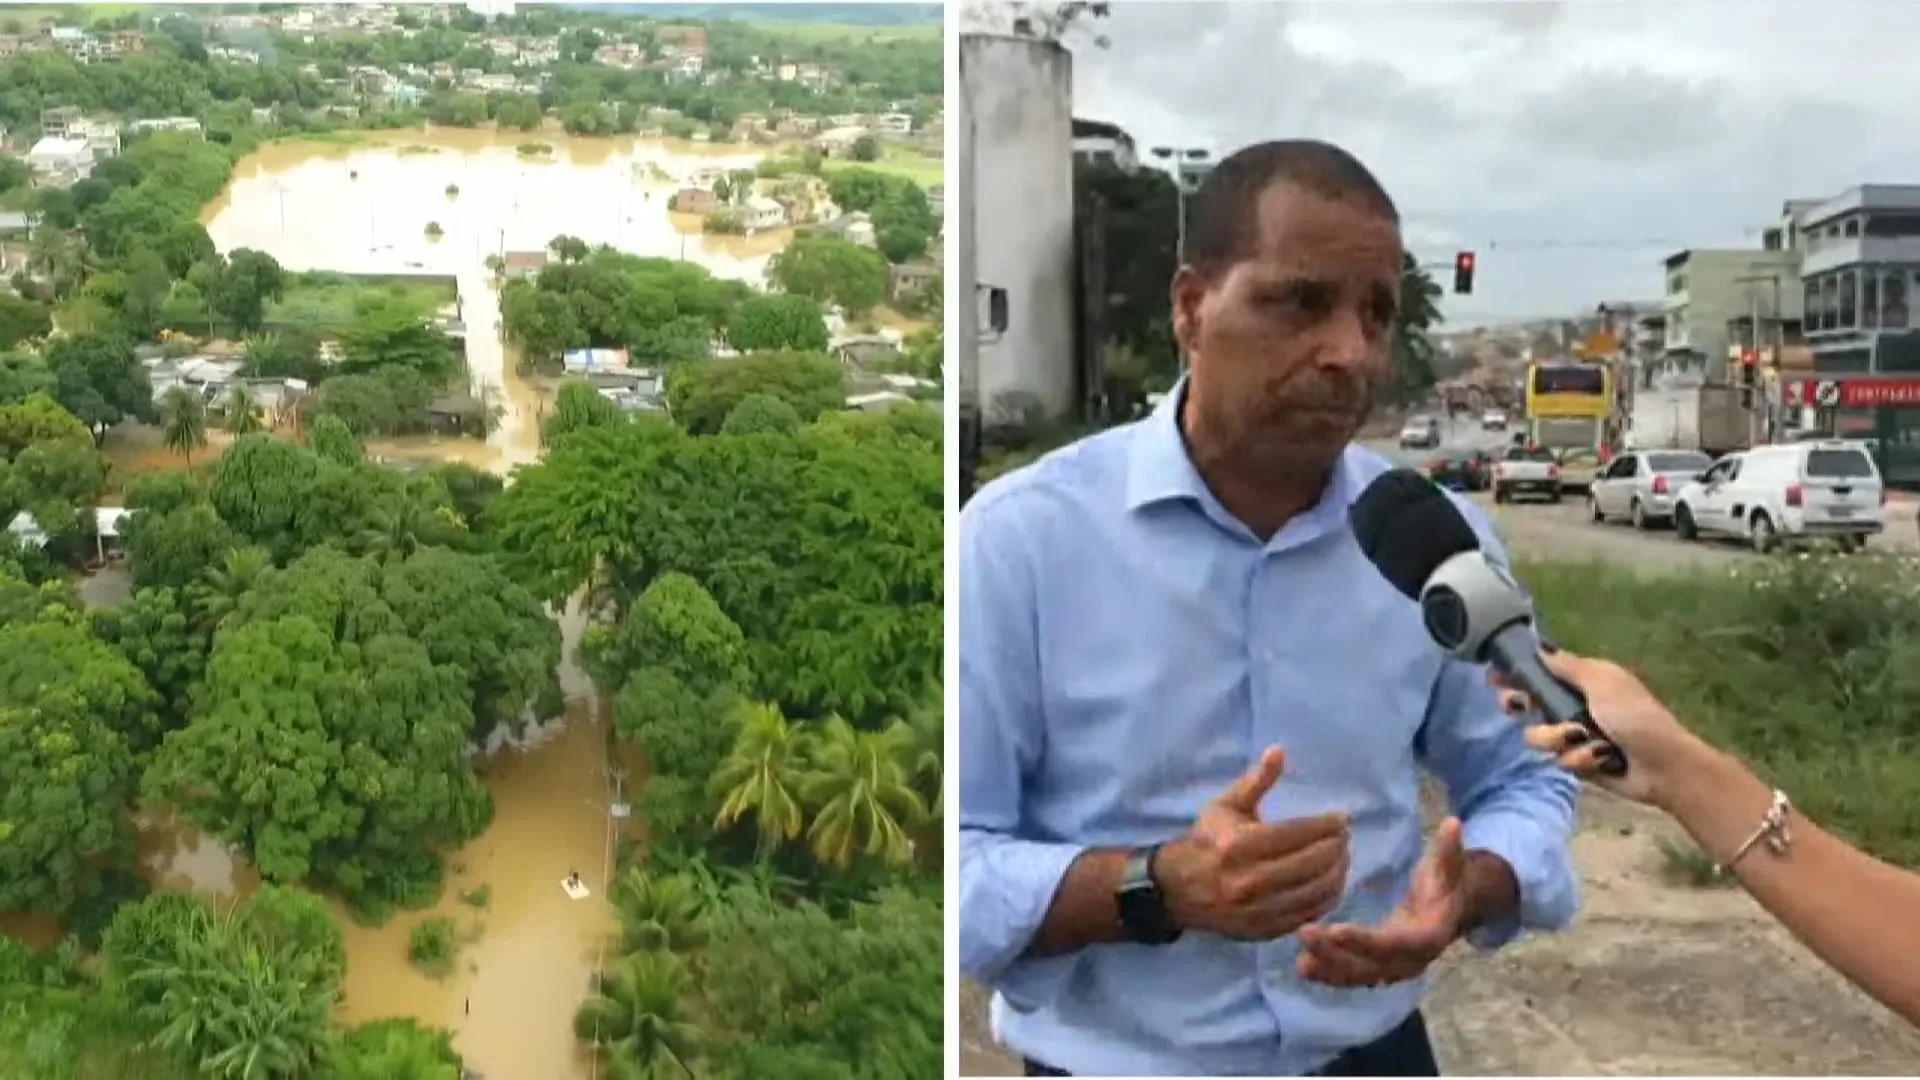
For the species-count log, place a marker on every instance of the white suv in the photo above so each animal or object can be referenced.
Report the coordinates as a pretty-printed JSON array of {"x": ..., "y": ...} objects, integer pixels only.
[{"x": 1793, "y": 491}]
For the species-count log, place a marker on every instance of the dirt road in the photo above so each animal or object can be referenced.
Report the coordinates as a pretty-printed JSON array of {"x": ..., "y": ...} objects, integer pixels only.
[{"x": 1654, "y": 977}]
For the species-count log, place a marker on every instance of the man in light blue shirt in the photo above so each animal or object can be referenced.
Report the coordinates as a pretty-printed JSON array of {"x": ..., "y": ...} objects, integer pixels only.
[{"x": 1192, "y": 715}]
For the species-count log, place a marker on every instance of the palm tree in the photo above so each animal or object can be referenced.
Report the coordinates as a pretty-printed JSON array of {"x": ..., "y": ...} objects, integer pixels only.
[
  {"x": 861, "y": 789},
  {"x": 239, "y": 571},
  {"x": 243, "y": 410},
  {"x": 238, "y": 1010},
  {"x": 636, "y": 1018},
  {"x": 1413, "y": 372},
  {"x": 186, "y": 421},
  {"x": 761, "y": 775},
  {"x": 927, "y": 721},
  {"x": 61, "y": 259},
  {"x": 658, "y": 911}
]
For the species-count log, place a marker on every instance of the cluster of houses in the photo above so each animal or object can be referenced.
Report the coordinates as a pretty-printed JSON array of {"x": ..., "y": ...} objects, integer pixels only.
[
  {"x": 84, "y": 46},
  {"x": 640, "y": 389}
]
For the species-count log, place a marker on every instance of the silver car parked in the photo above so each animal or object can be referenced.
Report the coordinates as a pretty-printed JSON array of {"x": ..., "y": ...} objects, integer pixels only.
[{"x": 1640, "y": 485}]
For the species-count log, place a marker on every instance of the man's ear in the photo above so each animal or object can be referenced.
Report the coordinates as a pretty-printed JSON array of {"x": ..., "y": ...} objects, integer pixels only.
[{"x": 1186, "y": 292}]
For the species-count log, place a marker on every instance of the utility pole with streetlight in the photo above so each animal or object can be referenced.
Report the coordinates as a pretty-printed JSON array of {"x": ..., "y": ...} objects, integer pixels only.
[
  {"x": 1762, "y": 420},
  {"x": 1189, "y": 166}
]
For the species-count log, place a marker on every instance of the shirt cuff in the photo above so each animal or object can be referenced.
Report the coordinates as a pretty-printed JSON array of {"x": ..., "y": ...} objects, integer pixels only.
[
  {"x": 1541, "y": 864},
  {"x": 1005, "y": 896}
]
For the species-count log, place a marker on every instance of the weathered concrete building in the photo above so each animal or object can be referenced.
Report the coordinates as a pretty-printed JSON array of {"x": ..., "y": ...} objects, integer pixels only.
[{"x": 1015, "y": 208}]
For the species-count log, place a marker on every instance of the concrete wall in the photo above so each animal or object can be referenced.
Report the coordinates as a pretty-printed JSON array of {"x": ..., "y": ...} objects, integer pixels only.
[{"x": 1016, "y": 187}]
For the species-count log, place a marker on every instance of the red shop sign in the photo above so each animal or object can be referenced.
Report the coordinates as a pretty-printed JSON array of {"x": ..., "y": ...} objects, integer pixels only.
[
  {"x": 1864, "y": 393},
  {"x": 1854, "y": 393}
]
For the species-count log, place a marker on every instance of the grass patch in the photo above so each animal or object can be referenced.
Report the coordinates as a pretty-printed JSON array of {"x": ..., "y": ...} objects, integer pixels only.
[
  {"x": 434, "y": 947},
  {"x": 327, "y": 301},
  {"x": 478, "y": 897},
  {"x": 898, "y": 161},
  {"x": 822, "y": 32},
  {"x": 1807, "y": 666},
  {"x": 346, "y": 137}
]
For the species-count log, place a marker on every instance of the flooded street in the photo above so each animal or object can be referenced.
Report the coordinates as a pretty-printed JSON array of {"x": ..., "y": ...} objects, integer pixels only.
[{"x": 364, "y": 208}]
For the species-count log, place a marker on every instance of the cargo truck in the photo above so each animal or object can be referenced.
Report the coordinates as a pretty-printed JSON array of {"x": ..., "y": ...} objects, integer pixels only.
[{"x": 1709, "y": 419}]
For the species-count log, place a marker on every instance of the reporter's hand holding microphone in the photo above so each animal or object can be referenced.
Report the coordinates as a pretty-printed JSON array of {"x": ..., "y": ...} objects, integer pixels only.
[
  {"x": 1855, "y": 911},
  {"x": 1664, "y": 754}
]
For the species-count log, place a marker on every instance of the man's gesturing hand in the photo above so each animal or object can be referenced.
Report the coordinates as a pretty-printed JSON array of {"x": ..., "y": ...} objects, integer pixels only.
[
  {"x": 1235, "y": 875},
  {"x": 1413, "y": 937}
]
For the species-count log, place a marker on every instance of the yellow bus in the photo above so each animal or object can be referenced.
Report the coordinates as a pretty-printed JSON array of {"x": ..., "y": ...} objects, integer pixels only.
[{"x": 1570, "y": 405}]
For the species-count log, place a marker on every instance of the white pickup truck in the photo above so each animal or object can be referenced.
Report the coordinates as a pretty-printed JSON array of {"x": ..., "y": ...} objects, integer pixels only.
[{"x": 1526, "y": 471}]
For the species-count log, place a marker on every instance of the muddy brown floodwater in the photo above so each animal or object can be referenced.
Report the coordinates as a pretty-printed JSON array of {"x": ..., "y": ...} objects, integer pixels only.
[
  {"x": 527, "y": 955},
  {"x": 363, "y": 207}
]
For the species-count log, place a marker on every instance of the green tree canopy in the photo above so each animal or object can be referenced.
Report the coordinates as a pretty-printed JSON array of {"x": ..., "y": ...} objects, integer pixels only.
[{"x": 701, "y": 395}]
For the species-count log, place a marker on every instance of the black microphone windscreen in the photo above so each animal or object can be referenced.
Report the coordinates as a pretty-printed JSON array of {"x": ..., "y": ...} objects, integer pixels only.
[{"x": 1407, "y": 527}]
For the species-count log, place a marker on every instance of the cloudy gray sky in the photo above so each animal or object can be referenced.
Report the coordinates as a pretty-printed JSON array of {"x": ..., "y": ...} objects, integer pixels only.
[{"x": 1573, "y": 145}]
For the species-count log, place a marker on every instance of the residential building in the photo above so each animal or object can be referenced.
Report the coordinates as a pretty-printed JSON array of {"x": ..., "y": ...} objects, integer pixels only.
[
  {"x": 907, "y": 277},
  {"x": 760, "y": 212},
  {"x": 695, "y": 200},
  {"x": 1860, "y": 277},
  {"x": 894, "y": 123},
  {"x": 1711, "y": 296},
  {"x": 839, "y": 141},
  {"x": 58, "y": 161},
  {"x": 1101, "y": 143},
  {"x": 170, "y": 123},
  {"x": 518, "y": 264}
]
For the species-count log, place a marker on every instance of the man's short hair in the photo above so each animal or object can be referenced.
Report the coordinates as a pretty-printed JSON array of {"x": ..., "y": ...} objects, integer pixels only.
[{"x": 1224, "y": 216}]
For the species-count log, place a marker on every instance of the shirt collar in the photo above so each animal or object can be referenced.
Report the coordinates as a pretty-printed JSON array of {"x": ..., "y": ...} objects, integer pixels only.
[{"x": 1159, "y": 469}]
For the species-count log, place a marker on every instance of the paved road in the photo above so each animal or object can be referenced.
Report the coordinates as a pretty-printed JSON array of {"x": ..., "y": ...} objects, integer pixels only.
[{"x": 1654, "y": 978}]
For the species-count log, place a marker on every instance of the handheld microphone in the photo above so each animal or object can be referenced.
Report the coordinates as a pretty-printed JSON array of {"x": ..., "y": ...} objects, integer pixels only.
[{"x": 1414, "y": 535}]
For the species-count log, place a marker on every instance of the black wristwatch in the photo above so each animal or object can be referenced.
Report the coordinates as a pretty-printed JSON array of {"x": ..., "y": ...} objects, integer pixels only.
[{"x": 1143, "y": 910}]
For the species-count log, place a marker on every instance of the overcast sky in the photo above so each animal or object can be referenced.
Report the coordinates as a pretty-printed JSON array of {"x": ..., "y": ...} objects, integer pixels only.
[{"x": 1573, "y": 145}]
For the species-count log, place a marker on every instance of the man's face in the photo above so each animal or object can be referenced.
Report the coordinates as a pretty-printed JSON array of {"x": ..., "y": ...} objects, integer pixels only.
[{"x": 1287, "y": 346}]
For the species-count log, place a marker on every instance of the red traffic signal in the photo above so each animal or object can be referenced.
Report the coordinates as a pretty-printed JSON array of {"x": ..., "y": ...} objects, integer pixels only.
[
  {"x": 1749, "y": 357},
  {"x": 1463, "y": 272}
]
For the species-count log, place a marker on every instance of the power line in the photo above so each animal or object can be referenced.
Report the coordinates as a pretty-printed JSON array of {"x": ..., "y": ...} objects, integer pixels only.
[{"x": 1547, "y": 243}]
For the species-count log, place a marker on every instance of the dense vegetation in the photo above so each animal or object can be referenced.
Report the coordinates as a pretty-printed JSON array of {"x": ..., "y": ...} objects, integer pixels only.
[
  {"x": 176, "y": 76},
  {"x": 1805, "y": 666},
  {"x": 316, "y": 644},
  {"x": 770, "y": 638}
]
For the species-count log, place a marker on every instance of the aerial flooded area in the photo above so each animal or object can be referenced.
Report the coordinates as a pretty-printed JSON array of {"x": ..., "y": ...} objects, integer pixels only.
[
  {"x": 389, "y": 649},
  {"x": 363, "y": 207}
]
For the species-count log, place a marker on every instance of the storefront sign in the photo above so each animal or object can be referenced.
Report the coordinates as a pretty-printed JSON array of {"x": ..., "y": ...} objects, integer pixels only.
[{"x": 1852, "y": 393}]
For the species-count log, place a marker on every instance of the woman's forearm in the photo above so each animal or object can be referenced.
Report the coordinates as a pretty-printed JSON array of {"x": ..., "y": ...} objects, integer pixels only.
[{"x": 1860, "y": 915}]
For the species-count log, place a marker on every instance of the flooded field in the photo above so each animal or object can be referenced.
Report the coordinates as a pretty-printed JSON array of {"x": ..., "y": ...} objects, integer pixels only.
[{"x": 365, "y": 207}]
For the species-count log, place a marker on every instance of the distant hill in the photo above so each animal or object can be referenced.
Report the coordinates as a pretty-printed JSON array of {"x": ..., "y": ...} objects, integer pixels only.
[{"x": 837, "y": 14}]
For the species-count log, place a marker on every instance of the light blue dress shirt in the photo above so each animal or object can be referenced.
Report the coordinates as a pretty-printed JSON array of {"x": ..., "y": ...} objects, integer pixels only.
[{"x": 1127, "y": 649}]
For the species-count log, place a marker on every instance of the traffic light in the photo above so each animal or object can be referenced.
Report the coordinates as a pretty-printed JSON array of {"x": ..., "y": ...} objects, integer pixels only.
[
  {"x": 1749, "y": 367},
  {"x": 1463, "y": 273}
]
